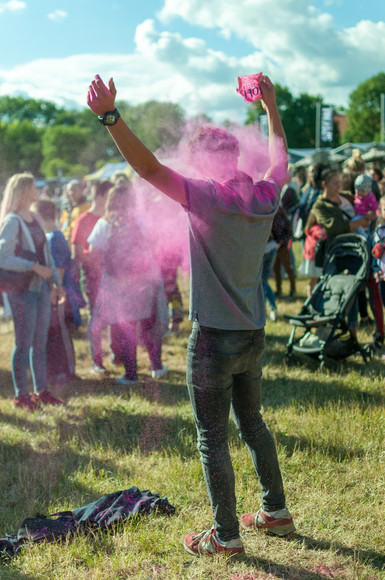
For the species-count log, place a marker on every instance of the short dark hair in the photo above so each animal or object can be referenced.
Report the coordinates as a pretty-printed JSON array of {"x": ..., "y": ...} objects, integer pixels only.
[
  {"x": 101, "y": 188},
  {"x": 213, "y": 139},
  {"x": 46, "y": 208},
  {"x": 377, "y": 171},
  {"x": 328, "y": 173}
]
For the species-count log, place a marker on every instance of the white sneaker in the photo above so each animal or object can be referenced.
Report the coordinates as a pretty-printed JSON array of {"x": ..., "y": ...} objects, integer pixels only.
[
  {"x": 99, "y": 370},
  {"x": 273, "y": 315},
  {"x": 159, "y": 373}
]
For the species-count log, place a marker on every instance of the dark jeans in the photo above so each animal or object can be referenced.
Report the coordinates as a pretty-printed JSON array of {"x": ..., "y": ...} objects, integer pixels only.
[
  {"x": 283, "y": 258},
  {"x": 382, "y": 292},
  {"x": 267, "y": 266},
  {"x": 224, "y": 370},
  {"x": 126, "y": 337},
  {"x": 31, "y": 313},
  {"x": 60, "y": 348}
]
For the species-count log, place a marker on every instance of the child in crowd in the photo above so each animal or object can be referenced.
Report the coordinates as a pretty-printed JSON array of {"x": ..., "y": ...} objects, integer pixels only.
[
  {"x": 365, "y": 202},
  {"x": 378, "y": 251},
  {"x": 65, "y": 316}
]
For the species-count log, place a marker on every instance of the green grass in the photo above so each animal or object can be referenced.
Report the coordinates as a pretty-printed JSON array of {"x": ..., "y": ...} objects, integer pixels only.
[{"x": 329, "y": 429}]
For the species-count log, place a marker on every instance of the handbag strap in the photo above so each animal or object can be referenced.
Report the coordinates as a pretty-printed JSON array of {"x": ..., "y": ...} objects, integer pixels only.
[
  {"x": 346, "y": 214},
  {"x": 26, "y": 232}
]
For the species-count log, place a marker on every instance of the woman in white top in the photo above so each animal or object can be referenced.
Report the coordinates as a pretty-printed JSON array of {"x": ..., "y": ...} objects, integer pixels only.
[{"x": 131, "y": 288}]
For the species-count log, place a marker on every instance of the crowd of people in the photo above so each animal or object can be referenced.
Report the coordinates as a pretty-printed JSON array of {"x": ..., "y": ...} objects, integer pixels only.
[
  {"x": 88, "y": 254},
  {"x": 320, "y": 203},
  {"x": 239, "y": 232}
]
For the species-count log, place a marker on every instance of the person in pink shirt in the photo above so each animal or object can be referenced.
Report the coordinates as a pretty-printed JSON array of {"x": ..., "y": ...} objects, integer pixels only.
[{"x": 364, "y": 199}]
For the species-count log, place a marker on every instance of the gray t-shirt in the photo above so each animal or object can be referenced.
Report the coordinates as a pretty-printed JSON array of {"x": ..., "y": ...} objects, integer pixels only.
[{"x": 229, "y": 225}]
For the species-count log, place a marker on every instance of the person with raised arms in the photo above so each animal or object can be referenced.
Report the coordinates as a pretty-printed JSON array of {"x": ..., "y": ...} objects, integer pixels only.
[{"x": 230, "y": 219}]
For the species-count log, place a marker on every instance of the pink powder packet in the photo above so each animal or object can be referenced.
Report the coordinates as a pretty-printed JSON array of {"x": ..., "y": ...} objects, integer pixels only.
[{"x": 249, "y": 87}]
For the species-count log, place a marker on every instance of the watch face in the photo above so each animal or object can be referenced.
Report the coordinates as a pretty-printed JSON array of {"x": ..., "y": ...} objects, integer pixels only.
[{"x": 110, "y": 119}]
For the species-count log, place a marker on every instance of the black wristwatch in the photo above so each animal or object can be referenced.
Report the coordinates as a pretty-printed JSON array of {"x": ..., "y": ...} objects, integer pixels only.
[{"x": 109, "y": 118}]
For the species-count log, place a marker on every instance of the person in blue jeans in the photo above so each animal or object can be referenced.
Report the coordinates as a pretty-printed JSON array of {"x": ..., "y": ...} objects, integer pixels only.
[
  {"x": 31, "y": 308},
  {"x": 230, "y": 220}
]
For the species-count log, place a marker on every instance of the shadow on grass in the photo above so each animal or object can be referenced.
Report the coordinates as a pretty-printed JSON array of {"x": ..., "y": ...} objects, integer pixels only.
[
  {"x": 374, "y": 559},
  {"x": 317, "y": 572},
  {"x": 318, "y": 392},
  {"x": 273, "y": 570},
  {"x": 60, "y": 479},
  {"x": 7, "y": 573},
  {"x": 170, "y": 391},
  {"x": 6, "y": 384},
  {"x": 293, "y": 443},
  {"x": 118, "y": 429},
  {"x": 264, "y": 569}
]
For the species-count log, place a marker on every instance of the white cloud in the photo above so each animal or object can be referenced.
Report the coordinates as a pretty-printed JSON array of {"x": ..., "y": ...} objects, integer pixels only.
[
  {"x": 12, "y": 6},
  {"x": 297, "y": 46},
  {"x": 300, "y": 46},
  {"x": 58, "y": 15}
]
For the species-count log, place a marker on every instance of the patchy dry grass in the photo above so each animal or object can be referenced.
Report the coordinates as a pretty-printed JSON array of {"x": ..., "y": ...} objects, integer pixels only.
[{"x": 329, "y": 430}]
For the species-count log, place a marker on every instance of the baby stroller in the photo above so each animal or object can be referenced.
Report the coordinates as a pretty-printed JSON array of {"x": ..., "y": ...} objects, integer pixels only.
[{"x": 322, "y": 321}]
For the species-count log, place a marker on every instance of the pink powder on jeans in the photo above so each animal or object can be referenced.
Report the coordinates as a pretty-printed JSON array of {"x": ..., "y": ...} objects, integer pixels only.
[{"x": 249, "y": 87}]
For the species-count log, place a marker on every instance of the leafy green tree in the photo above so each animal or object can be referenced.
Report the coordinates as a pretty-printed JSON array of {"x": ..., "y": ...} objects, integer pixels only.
[
  {"x": 99, "y": 148},
  {"x": 298, "y": 116},
  {"x": 158, "y": 125},
  {"x": 39, "y": 112},
  {"x": 20, "y": 148},
  {"x": 363, "y": 115},
  {"x": 62, "y": 148}
]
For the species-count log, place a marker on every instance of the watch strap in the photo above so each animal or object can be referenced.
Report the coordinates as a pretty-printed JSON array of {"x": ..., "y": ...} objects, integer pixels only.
[{"x": 109, "y": 118}]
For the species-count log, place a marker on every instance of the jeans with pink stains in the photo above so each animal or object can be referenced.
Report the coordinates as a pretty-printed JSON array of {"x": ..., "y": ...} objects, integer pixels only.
[{"x": 224, "y": 370}]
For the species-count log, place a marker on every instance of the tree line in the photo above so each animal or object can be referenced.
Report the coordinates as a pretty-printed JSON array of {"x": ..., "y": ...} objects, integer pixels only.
[{"x": 47, "y": 140}]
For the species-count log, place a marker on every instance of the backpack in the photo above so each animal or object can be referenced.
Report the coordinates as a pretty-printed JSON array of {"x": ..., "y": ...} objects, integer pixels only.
[{"x": 281, "y": 229}]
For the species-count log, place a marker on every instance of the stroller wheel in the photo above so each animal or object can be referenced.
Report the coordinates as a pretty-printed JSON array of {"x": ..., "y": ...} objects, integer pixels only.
[
  {"x": 323, "y": 366},
  {"x": 327, "y": 364},
  {"x": 290, "y": 360},
  {"x": 368, "y": 351}
]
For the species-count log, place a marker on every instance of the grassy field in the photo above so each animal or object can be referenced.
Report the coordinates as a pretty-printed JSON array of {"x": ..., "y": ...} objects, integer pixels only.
[{"x": 329, "y": 429}]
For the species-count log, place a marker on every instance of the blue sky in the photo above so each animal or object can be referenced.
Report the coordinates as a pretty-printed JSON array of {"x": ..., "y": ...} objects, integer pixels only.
[{"x": 189, "y": 51}]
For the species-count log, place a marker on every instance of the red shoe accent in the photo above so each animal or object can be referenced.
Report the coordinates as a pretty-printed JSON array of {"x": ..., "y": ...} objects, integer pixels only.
[
  {"x": 46, "y": 398},
  {"x": 280, "y": 526},
  {"x": 206, "y": 544},
  {"x": 25, "y": 401}
]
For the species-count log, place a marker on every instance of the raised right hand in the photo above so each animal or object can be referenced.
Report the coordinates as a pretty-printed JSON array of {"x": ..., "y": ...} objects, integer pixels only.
[{"x": 101, "y": 99}]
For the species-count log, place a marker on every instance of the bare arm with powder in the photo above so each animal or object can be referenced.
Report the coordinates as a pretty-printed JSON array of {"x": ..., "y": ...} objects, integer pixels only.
[
  {"x": 277, "y": 139},
  {"x": 101, "y": 99}
]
